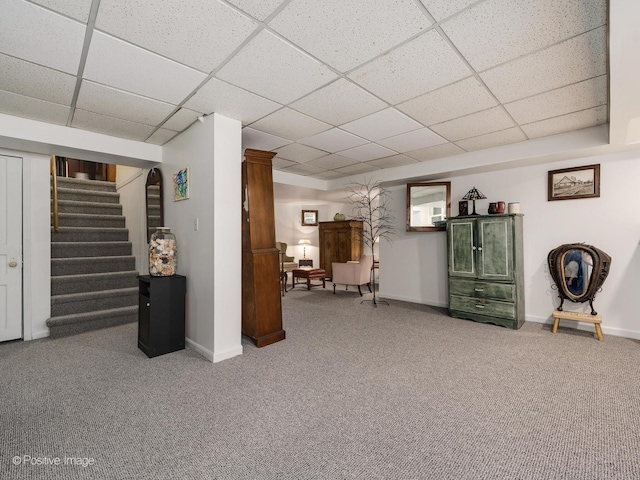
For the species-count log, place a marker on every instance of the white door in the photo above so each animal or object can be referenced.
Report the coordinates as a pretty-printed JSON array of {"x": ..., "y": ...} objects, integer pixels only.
[{"x": 10, "y": 248}]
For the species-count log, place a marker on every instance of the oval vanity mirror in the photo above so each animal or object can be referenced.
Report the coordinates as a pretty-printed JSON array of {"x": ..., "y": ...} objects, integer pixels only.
[
  {"x": 428, "y": 206},
  {"x": 578, "y": 271},
  {"x": 155, "y": 206}
]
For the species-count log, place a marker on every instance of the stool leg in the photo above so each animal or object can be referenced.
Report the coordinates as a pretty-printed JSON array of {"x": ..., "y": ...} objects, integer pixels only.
[
  {"x": 599, "y": 332},
  {"x": 555, "y": 324}
]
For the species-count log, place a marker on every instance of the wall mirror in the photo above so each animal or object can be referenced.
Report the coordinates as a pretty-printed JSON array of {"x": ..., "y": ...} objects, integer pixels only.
[
  {"x": 155, "y": 205},
  {"x": 578, "y": 271},
  {"x": 428, "y": 206}
]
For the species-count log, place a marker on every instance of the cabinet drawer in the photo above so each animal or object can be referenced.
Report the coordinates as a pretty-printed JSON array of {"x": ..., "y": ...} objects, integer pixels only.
[
  {"x": 469, "y": 288},
  {"x": 483, "y": 306}
]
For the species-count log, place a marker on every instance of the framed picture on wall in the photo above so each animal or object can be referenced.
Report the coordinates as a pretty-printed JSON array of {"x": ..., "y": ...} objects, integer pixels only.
[
  {"x": 577, "y": 182},
  {"x": 309, "y": 218},
  {"x": 181, "y": 185}
]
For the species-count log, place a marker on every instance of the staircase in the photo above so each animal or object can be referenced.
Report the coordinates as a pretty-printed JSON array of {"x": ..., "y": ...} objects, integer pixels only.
[{"x": 93, "y": 277}]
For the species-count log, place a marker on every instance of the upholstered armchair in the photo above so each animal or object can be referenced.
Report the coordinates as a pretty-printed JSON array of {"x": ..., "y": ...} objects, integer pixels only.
[
  {"x": 353, "y": 273},
  {"x": 286, "y": 263}
]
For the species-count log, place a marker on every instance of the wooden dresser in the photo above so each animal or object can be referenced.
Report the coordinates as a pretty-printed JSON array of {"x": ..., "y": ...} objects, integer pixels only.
[{"x": 340, "y": 242}]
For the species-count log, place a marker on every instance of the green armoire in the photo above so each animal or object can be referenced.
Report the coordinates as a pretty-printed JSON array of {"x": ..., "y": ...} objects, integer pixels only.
[{"x": 486, "y": 277}]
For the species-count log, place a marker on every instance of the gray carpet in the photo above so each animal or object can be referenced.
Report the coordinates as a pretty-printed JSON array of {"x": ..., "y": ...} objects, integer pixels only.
[{"x": 397, "y": 392}]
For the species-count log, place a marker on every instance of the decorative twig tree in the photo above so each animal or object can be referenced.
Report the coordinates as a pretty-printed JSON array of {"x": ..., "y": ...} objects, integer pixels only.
[{"x": 370, "y": 202}]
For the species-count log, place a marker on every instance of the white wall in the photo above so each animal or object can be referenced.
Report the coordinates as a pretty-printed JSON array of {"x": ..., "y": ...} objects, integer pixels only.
[
  {"x": 414, "y": 267},
  {"x": 210, "y": 257},
  {"x": 130, "y": 184}
]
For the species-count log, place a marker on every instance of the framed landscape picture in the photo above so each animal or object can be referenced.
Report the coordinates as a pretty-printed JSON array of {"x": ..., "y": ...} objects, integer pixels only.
[{"x": 578, "y": 182}]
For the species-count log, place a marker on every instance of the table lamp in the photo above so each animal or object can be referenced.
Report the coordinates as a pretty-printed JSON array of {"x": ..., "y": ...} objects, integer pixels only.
[
  {"x": 474, "y": 195},
  {"x": 304, "y": 242}
]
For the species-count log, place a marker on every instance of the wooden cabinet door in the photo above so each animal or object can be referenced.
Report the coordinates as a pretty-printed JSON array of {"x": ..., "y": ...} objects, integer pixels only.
[
  {"x": 495, "y": 248},
  {"x": 461, "y": 247}
]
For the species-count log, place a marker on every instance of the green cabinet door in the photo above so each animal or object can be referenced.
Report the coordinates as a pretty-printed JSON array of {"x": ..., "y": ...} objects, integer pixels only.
[
  {"x": 494, "y": 248},
  {"x": 461, "y": 247}
]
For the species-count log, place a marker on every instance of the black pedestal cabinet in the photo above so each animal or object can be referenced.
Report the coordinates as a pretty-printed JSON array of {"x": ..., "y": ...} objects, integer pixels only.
[{"x": 161, "y": 314}]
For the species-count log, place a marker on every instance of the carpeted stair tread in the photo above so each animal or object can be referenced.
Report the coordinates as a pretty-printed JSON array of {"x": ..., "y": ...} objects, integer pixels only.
[
  {"x": 66, "y": 284},
  {"x": 80, "y": 265},
  {"x": 72, "y": 206},
  {"x": 90, "y": 220},
  {"x": 75, "y": 297},
  {"x": 81, "y": 184},
  {"x": 90, "y": 301},
  {"x": 81, "y": 322},
  {"x": 90, "y": 234},
  {"x": 87, "y": 195},
  {"x": 89, "y": 249},
  {"x": 78, "y": 317}
]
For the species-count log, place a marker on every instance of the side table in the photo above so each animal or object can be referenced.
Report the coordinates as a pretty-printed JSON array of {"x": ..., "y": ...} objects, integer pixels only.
[
  {"x": 306, "y": 262},
  {"x": 309, "y": 274}
]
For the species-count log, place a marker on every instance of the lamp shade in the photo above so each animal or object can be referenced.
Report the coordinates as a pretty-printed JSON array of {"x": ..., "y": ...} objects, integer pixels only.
[
  {"x": 474, "y": 194},
  {"x": 304, "y": 241}
]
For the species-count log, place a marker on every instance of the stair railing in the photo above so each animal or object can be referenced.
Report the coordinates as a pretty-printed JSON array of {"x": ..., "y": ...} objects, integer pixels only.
[{"x": 54, "y": 183}]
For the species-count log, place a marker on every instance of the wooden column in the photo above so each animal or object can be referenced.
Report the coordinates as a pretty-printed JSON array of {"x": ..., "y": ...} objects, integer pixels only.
[{"x": 261, "y": 301}]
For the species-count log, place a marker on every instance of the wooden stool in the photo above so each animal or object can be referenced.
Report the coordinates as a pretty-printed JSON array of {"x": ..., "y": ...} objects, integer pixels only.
[{"x": 577, "y": 317}]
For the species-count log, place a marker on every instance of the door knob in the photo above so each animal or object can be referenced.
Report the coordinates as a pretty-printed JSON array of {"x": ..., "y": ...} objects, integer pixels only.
[{"x": 13, "y": 264}]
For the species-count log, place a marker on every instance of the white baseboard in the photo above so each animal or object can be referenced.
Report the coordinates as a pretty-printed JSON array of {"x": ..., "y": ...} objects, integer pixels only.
[
  {"x": 214, "y": 357},
  {"x": 206, "y": 353},
  {"x": 40, "y": 334},
  {"x": 616, "y": 332},
  {"x": 412, "y": 300},
  {"x": 232, "y": 352}
]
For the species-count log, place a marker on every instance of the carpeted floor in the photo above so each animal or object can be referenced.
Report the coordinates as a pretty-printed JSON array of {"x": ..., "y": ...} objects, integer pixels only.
[{"x": 398, "y": 392}]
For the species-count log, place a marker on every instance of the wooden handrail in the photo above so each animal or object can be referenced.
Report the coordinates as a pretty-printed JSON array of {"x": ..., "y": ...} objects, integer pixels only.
[{"x": 54, "y": 183}]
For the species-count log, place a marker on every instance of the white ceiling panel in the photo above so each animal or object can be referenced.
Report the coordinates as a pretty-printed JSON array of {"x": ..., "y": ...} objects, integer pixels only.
[
  {"x": 26, "y": 78},
  {"x": 161, "y": 136},
  {"x": 394, "y": 161},
  {"x": 567, "y": 123},
  {"x": 230, "y": 101},
  {"x": 424, "y": 64},
  {"x": 357, "y": 168},
  {"x": 169, "y": 28},
  {"x": 328, "y": 175},
  {"x": 252, "y": 138},
  {"x": 414, "y": 140},
  {"x": 299, "y": 153},
  {"x": 333, "y": 161},
  {"x": 40, "y": 36},
  {"x": 478, "y": 123},
  {"x": 78, "y": 9},
  {"x": 116, "y": 103},
  {"x": 122, "y": 65},
  {"x": 579, "y": 96},
  {"x": 260, "y": 10},
  {"x": 302, "y": 169},
  {"x": 573, "y": 60},
  {"x": 32, "y": 108},
  {"x": 291, "y": 73},
  {"x": 333, "y": 140},
  {"x": 368, "y": 151},
  {"x": 339, "y": 102},
  {"x": 94, "y": 122},
  {"x": 290, "y": 124},
  {"x": 383, "y": 124},
  {"x": 456, "y": 100},
  {"x": 431, "y": 153},
  {"x": 497, "y": 31},
  {"x": 181, "y": 119},
  {"x": 351, "y": 31},
  {"x": 441, "y": 9},
  {"x": 494, "y": 139},
  {"x": 281, "y": 163}
]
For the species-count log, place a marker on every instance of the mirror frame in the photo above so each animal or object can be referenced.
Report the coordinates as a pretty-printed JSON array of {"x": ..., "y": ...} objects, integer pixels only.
[
  {"x": 154, "y": 177},
  {"x": 411, "y": 228}
]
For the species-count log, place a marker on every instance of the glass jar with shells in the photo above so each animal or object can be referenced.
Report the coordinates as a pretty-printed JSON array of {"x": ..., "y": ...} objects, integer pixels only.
[{"x": 163, "y": 253}]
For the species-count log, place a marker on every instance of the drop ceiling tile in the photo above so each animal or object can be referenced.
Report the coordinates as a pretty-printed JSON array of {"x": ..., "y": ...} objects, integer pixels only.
[
  {"x": 393, "y": 161},
  {"x": 369, "y": 151},
  {"x": 417, "y": 67},
  {"x": 333, "y": 161},
  {"x": 421, "y": 138},
  {"x": 478, "y": 123},
  {"x": 494, "y": 139},
  {"x": 302, "y": 169},
  {"x": 260, "y": 10},
  {"x": 572, "y": 98},
  {"x": 78, "y": 9},
  {"x": 573, "y": 60},
  {"x": 328, "y": 175},
  {"x": 119, "y": 104},
  {"x": 252, "y": 138},
  {"x": 299, "y": 153},
  {"x": 291, "y": 73},
  {"x": 333, "y": 140},
  {"x": 161, "y": 136},
  {"x": 281, "y": 163},
  {"x": 352, "y": 31},
  {"x": 40, "y": 36},
  {"x": 230, "y": 101},
  {"x": 566, "y": 123},
  {"x": 116, "y": 127},
  {"x": 383, "y": 124},
  {"x": 339, "y": 102},
  {"x": 357, "y": 168},
  {"x": 26, "y": 78},
  {"x": 496, "y": 31},
  {"x": 181, "y": 119},
  {"x": 198, "y": 33},
  {"x": 432, "y": 153},
  {"x": 456, "y": 100},
  {"x": 124, "y": 66},
  {"x": 290, "y": 124},
  {"x": 32, "y": 108},
  {"x": 441, "y": 9}
]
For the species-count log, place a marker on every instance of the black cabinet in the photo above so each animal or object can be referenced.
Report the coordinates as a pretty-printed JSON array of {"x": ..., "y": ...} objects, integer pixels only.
[{"x": 161, "y": 314}]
